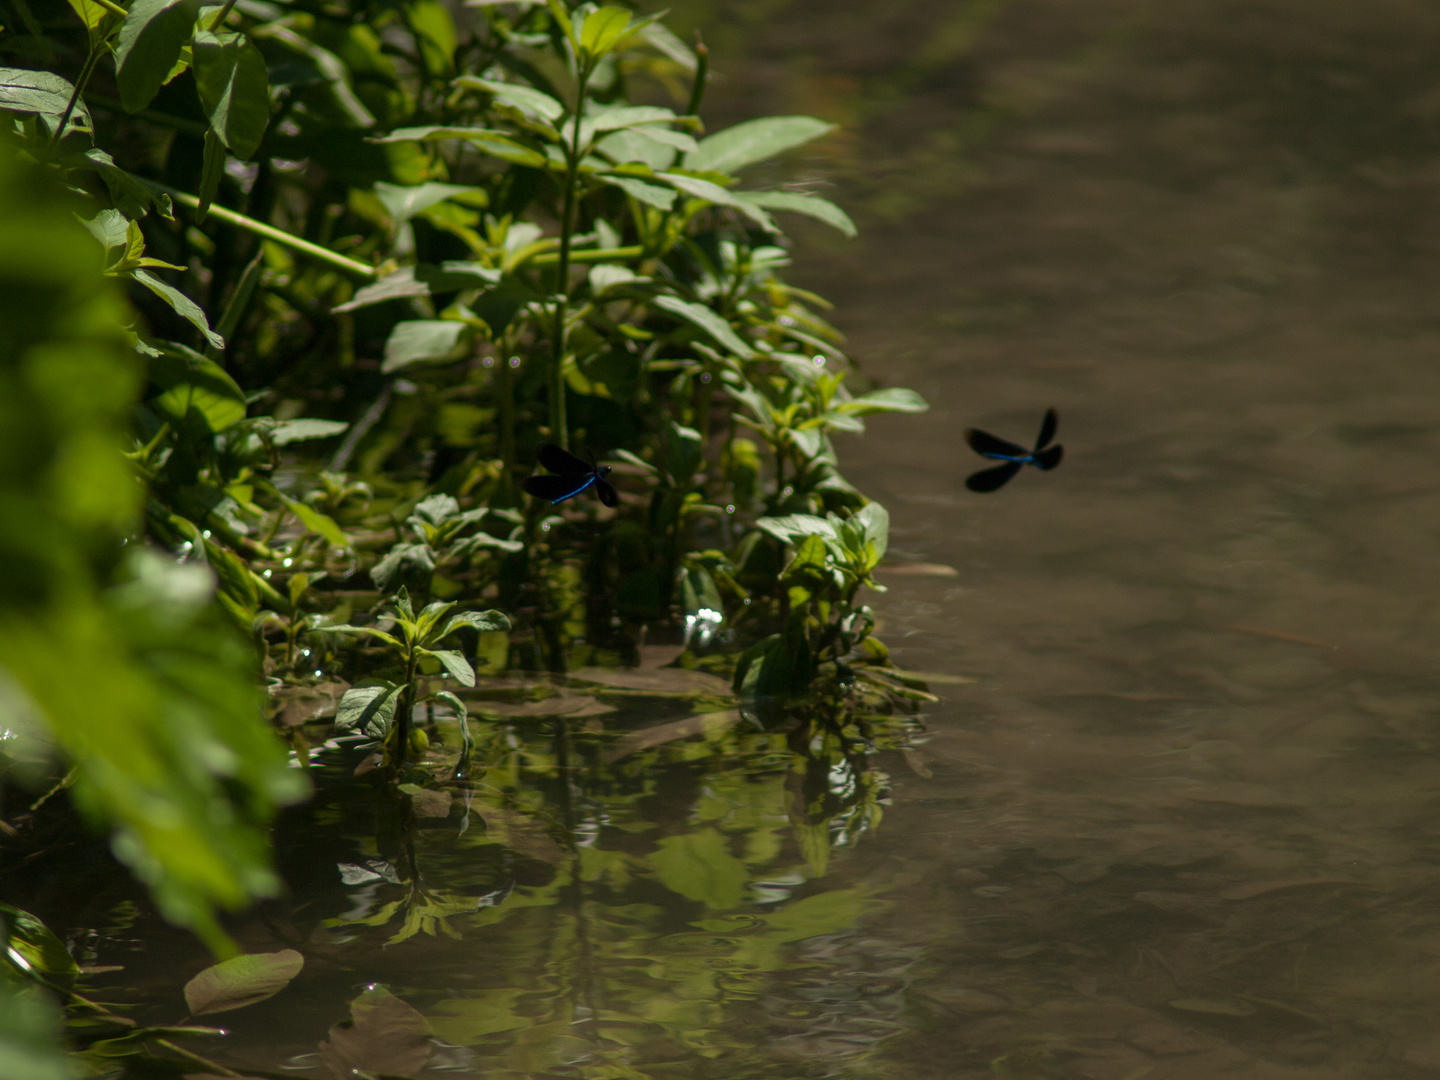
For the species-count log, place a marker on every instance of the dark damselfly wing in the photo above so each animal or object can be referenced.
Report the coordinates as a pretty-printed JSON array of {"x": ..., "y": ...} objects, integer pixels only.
[
  {"x": 554, "y": 488},
  {"x": 992, "y": 479},
  {"x": 1048, "y": 459},
  {"x": 608, "y": 494},
  {"x": 1047, "y": 431},
  {"x": 982, "y": 442},
  {"x": 562, "y": 461}
]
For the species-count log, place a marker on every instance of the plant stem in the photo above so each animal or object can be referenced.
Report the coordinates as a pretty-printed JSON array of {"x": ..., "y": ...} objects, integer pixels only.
[
  {"x": 220, "y": 16},
  {"x": 85, "y": 72},
  {"x": 559, "y": 429},
  {"x": 270, "y": 232}
]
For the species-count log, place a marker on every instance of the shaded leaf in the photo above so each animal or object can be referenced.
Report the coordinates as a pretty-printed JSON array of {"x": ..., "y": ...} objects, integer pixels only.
[
  {"x": 241, "y": 981},
  {"x": 188, "y": 381},
  {"x": 524, "y": 98},
  {"x": 234, "y": 89},
  {"x": 183, "y": 305},
  {"x": 486, "y": 621},
  {"x": 148, "y": 45}
]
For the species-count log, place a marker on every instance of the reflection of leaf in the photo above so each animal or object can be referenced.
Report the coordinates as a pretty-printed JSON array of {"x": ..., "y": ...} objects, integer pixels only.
[
  {"x": 814, "y": 845},
  {"x": 521, "y": 833},
  {"x": 241, "y": 981},
  {"x": 465, "y": 1021},
  {"x": 661, "y": 681},
  {"x": 698, "y": 865},
  {"x": 384, "y": 1035},
  {"x": 645, "y": 738},
  {"x": 825, "y": 913}
]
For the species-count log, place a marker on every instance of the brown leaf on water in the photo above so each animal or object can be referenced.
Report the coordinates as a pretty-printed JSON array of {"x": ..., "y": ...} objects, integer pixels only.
[
  {"x": 1214, "y": 1006},
  {"x": 305, "y": 703},
  {"x": 657, "y": 656},
  {"x": 383, "y": 1035},
  {"x": 428, "y": 803},
  {"x": 917, "y": 763},
  {"x": 1260, "y": 888},
  {"x": 664, "y": 682},
  {"x": 645, "y": 738}
]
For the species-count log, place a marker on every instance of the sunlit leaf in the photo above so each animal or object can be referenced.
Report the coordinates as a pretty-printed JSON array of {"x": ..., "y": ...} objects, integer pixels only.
[
  {"x": 234, "y": 89},
  {"x": 403, "y": 203},
  {"x": 524, "y": 98},
  {"x": 422, "y": 340},
  {"x": 241, "y": 981},
  {"x": 455, "y": 664},
  {"x": 288, "y": 431},
  {"x": 369, "y": 709},
  {"x": 754, "y": 141},
  {"x": 707, "y": 320},
  {"x": 809, "y": 205},
  {"x": 183, "y": 305},
  {"x": 188, "y": 381}
]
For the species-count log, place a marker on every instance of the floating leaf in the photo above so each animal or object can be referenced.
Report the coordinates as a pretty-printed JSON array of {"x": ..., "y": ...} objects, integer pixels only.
[
  {"x": 241, "y": 981},
  {"x": 384, "y": 1035}
]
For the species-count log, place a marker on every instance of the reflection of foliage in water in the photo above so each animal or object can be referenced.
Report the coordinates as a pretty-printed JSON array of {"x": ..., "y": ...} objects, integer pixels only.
[{"x": 648, "y": 907}]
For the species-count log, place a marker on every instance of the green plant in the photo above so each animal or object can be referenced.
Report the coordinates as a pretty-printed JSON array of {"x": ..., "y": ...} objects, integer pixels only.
[{"x": 382, "y": 709}]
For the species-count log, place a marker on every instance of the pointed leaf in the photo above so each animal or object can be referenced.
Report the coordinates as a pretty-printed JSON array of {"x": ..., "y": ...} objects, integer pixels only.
[
  {"x": 421, "y": 340},
  {"x": 455, "y": 664},
  {"x": 893, "y": 399},
  {"x": 286, "y": 432},
  {"x": 809, "y": 205},
  {"x": 485, "y": 621},
  {"x": 602, "y": 29},
  {"x": 706, "y": 319},
  {"x": 525, "y": 98},
  {"x": 754, "y": 141},
  {"x": 321, "y": 525},
  {"x": 43, "y": 93},
  {"x": 241, "y": 981},
  {"x": 653, "y": 194},
  {"x": 148, "y": 45},
  {"x": 234, "y": 89},
  {"x": 368, "y": 709},
  {"x": 183, "y": 305},
  {"x": 402, "y": 203}
]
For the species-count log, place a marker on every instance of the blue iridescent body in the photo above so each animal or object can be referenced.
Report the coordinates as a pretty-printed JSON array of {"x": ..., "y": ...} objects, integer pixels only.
[{"x": 1014, "y": 456}]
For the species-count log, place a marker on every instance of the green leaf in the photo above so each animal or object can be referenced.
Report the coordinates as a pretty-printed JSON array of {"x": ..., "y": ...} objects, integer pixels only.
[
  {"x": 183, "y": 305},
  {"x": 495, "y": 143},
  {"x": 809, "y": 205},
  {"x": 706, "y": 319},
  {"x": 91, "y": 13},
  {"x": 525, "y": 98},
  {"x": 423, "y": 340},
  {"x": 33, "y": 948},
  {"x": 791, "y": 527},
  {"x": 188, "y": 381},
  {"x": 653, "y": 194},
  {"x": 485, "y": 621},
  {"x": 893, "y": 399},
  {"x": 241, "y": 981},
  {"x": 713, "y": 192},
  {"x": 365, "y": 631},
  {"x": 111, "y": 228},
  {"x": 403, "y": 203},
  {"x": 369, "y": 709},
  {"x": 148, "y": 45},
  {"x": 754, "y": 141},
  {"x": 435, "y": 32},
  {"x": 234, "y": 89},
  {"x": 423, "y": 280},
  {"x": 874, "y": 519},
  {"x": 32, "y": 1035},
  {"x": 43, "y": 93},
  {"x": 602, "y": 29},
  {"x": 289, "y": 431},
  {"x": 809, "y": 555},
  {"x": 455, "y": 664},
  {"x": 562, "y": 19},
  {"x": 321, "y": 525},
  {"x": 699, "y": 866}
]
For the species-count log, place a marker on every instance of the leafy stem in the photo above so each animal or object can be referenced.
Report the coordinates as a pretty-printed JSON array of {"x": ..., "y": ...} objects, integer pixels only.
[{"x": 559, "y": 428}]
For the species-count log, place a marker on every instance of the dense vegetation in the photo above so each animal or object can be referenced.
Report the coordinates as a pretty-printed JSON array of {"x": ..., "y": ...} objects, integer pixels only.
[{"x": 292, "y": 293}]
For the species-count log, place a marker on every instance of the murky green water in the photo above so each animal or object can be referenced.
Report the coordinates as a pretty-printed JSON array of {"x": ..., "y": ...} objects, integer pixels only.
[{"x": 1184, "y": 823}]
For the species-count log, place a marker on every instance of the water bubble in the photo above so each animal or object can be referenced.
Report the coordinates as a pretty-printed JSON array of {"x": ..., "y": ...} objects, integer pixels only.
[
  {"x": 819, "y": 360},
  {"x": 488, "y": 362},
  {"x": 729, "y": 508},
  {"x": 286, "y": 562}
]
